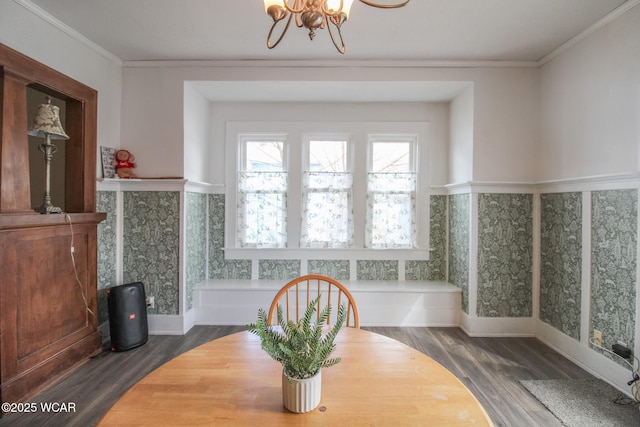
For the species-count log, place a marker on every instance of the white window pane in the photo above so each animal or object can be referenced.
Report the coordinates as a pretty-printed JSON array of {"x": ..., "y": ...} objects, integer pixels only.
[
  {"x": 327, "y": 213},
  {"x": 265, "y": 156},
  {"x": 391, "y": 182},
  {"x": 391, "y": 157},
  {"x": 391, "y": 195},
  {"x": 328, "y": 156},
  {"x": 327, "y": 220},
  {"x": 272, "y": 182},
  {"x": 392, "y": 222},
  {"x": 262, "y": 220},
  {"x": 327, "y": 181},
  {"x": 262, "y": 193}
]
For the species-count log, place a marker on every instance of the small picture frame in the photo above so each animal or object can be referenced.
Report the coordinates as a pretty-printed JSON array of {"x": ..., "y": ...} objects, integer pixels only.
[{"x": 108, "y": 162}]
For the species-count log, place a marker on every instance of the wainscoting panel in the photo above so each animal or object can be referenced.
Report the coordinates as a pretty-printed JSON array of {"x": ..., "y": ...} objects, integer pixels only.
[
  {"x": 151, "y": 245},
  {"x": 106, "y": 201},
  {"x": 195, "y": 243},
  {"x": 459, "y": 224},
  {"x": 505, "y": 246},
  {"x": 561, "y": 261},
  {"x": 614, "y": 239}
]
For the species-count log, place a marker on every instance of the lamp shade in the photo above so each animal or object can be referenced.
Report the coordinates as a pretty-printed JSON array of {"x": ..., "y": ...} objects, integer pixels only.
[
  {"x": 335, "y": 5},
  {"x": 47, "y": 122},
  {"x": 269, "y": 3}
]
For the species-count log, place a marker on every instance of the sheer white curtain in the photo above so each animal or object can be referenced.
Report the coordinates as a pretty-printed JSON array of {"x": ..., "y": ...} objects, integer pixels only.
[
  {"x": 391, "y": 207},
  {"x": 262, "y": 209},
  {"x": 327, "y": 211}
]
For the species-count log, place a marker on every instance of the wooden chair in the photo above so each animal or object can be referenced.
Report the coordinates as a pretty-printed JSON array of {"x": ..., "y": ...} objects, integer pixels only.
[{"x": 296, "y": 295}]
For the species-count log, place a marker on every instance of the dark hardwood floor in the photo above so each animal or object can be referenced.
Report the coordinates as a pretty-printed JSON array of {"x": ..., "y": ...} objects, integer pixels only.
[{"x": 490, "y": 367}]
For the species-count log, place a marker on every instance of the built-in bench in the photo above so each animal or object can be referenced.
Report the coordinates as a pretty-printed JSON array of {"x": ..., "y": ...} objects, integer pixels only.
[{"x": 380, "y": 303}]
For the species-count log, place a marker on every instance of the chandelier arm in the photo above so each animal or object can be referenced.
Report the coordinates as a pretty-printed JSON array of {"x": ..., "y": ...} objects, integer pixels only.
[
  {"x": 385, "y": 6},
  {"x": 273, "y": 27},
  {"x": 298, "y": 21},
  {"x": 298, "y": 6},
  {"x": 341, "y": 48},
  {"x": 328, "y": 12}
]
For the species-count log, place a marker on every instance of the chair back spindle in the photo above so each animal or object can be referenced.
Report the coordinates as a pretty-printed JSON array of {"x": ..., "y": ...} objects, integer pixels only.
[{"x": 306, "y": 288}]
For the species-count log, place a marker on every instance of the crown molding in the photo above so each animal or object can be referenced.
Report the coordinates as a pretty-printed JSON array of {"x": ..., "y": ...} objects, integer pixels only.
[
  {"x": 620, "y": 10},
  {"x": 56, "y": 23},
  {"x": 314, "y": 63}
]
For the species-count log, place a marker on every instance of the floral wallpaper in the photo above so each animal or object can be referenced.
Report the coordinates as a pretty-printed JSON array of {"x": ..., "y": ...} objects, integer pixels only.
[
  {"x": 195, "y": 243},
  {"x": 614, "y": 239},
  {"x": 106, "y": 201},
  {"x": 338, "y": 269},
  {"x": 377, "y": 270},
  {"x": 278, "y": 269},
  {"x": 561, "y": 261},
  {"x": 151, "y": 245},
  {"x": 436, "y": 267},
  {"x": 505, "y": 245},
  {"x": 459, "y": 215},
  {"x": 218, "y": 267}
]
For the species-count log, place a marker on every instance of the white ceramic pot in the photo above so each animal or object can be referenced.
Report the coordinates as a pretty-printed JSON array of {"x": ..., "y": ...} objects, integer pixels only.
[{"x": 301, "y": 395}]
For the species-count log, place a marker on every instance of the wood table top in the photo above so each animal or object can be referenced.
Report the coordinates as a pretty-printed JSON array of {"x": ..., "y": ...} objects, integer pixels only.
[{"x": 230, "y": 381}]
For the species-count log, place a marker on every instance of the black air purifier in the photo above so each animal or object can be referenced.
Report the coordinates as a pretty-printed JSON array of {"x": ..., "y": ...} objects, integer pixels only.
[{"x": 127, "y": 316}]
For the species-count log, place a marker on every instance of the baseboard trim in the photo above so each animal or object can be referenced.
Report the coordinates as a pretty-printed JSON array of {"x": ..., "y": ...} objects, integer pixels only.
[
  {"x": 587, "y": 358},
  {"x": 163, "y": 324},
  {"x": 498, "y": 326}
]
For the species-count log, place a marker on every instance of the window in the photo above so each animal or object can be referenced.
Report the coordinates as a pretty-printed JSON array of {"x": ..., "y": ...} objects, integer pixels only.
[
  {"x": 391, "y": 194},
  {"x": 327, "y": 211},
  {"x": 321, "y": 191},
  {"x": 262, "y": 194}
]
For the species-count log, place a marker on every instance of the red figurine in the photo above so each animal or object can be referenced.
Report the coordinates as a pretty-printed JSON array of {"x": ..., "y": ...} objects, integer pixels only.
[{"x": 124, "y": 164}]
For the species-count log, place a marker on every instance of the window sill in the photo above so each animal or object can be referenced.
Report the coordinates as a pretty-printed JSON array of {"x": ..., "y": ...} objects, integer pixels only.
[{"x": 326, "y": 254}]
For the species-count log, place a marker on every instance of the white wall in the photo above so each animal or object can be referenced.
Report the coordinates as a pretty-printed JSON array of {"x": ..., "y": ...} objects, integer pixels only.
[
  {"x": 506, "y": 123},
  {"x": 437, "y": 114},
  {"x": 23, "y": 30},
  {"x": 461, "y": 138},
  {"x": 196, "y": 135},
  {"x": 505, "y": 109},
  {"x": 590, "y": 103}
]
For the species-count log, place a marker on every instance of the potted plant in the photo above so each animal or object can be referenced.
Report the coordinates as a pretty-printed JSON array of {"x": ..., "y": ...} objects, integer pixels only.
[{"x": 303, "y": 351}]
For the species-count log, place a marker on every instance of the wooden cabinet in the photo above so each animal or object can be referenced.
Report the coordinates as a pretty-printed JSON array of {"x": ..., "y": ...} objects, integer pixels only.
[{"x": 48, "y": 309}]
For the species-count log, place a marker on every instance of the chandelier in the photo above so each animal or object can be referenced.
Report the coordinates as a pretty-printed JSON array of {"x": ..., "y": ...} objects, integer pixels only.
[{"x": 314, "y": 14}]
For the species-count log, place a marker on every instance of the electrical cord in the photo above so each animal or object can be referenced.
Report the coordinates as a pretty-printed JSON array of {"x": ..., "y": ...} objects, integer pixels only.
[
  {"x": 591, "y": 340},
  {"x": 75, "y": 270},
  {"x": 635, "y": 387}
]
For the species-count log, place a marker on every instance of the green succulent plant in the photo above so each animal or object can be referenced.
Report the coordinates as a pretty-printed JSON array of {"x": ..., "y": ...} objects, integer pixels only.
[{"x": 301, "y": 348}]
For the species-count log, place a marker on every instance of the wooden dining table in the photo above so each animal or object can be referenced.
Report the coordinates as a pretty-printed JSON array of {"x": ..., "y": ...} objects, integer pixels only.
[{"x": 230, "y": 381}]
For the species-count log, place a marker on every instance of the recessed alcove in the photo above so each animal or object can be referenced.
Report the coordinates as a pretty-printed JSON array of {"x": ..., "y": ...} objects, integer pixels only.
[{"x": 36, "y": 158}]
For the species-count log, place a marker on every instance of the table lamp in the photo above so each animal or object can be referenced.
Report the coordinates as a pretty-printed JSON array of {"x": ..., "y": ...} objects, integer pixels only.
[{"x": 47, "y": 125}]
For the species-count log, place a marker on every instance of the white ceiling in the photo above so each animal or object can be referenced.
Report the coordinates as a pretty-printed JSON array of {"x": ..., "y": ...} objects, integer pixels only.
[{"x": 434, "y": 30}]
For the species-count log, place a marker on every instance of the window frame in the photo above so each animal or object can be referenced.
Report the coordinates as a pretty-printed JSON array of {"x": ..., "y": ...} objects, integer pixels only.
[
  {"x": 243, "y": 140},
  {"x": 412, "y": 140},
  {"x": 295, "y": 132},
  {"x": 306, "y": 140}
]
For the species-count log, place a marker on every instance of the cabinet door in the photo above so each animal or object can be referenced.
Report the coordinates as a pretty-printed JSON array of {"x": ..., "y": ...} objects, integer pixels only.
[{"x": 47, "y": 312}]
